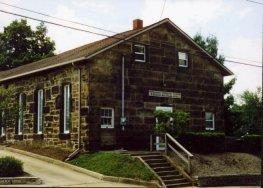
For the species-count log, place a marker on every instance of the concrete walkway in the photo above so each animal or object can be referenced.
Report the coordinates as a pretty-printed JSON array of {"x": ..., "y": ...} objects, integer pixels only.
[{"x": 56, "y": 176}]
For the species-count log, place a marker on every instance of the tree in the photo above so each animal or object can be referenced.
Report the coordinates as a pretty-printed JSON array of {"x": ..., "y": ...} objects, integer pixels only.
[
  {"x": 8, "y": 105},
  {"x": 210, "y": 44},
  {"x": 245, "y": 117},
  {"x": 20, "y": 45},
  {"x": 230, "y": 116},
  {"x": 251, "y": 106}
]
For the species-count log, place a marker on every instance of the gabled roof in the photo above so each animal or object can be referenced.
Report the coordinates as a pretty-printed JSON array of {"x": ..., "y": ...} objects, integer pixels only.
[{"x": 89, "y": 50}]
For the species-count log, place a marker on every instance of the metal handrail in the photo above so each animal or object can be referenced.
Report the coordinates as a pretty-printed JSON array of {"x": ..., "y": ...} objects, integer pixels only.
[{"x": 189, "y": 155}]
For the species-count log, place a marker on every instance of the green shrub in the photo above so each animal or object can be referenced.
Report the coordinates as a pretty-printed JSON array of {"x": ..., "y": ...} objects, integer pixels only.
[
  {"x": 10, "y": 167},
  {"x": 203, "y": 142},
  {"x": 251, "y": 143},
  {"x": 171, "y": 122}
]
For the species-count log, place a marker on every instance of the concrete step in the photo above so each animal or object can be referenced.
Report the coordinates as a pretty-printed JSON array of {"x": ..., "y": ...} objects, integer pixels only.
[
  {"x": 174, "y": 181},
  {"x": 165, "y": 164},
  {"x": 179, "y": 185},
  {"x": 146, "y": 157},
  {"x": 171, "y": 177},
  {"x": 143, "y": 153},
  {"x": 168, "y": 173},
  {"x": 149, "y": 161},
  {"x": 160, "y": 169}
]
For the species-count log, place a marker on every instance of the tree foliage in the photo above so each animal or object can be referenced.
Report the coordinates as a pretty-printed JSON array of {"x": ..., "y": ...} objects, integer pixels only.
[
  {"x": 171, "y": 122},
  {"x": 246, "y": 117},
  {"x": 251, "y": 110},
  {"x": 210, "y": 44},
  {"x": 20, "y": 45},
  {"x": 8, "y": 105}
]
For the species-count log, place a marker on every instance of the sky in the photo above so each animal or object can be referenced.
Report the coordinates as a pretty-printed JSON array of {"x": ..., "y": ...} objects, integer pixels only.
[{"x": 236, "y": 23}]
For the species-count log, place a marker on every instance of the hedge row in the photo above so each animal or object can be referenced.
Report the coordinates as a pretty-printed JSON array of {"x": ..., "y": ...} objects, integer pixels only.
[
  {"x": 203, "y": 142},
  {"x": 251, "y": 144},
  {"x": 214, "y": 142}
]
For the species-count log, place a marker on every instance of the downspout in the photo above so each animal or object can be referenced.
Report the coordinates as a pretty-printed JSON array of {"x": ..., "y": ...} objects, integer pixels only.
[
  {"x": 123, "y": 119},
  {"x": 77, "y": 151}
]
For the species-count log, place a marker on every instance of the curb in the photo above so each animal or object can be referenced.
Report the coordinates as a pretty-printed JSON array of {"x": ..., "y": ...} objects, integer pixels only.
[
  {"x": 20, "y": 180},
  {"x": 82, "y": 170},
  {"x": 229, "y": 180}
]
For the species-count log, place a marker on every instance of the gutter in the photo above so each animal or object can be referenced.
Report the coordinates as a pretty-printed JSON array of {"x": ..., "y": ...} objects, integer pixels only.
[
  {"x": 45, "y": 68},
  {"x": 123, "y": 119}
]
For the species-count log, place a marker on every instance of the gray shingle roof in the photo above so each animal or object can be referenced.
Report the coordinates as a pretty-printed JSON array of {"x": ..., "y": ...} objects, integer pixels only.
[{"x": 87, "y": 50}]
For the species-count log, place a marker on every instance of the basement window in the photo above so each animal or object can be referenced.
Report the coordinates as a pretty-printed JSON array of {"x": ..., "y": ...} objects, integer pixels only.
[
  {"x": 139, "y": 53},
  {"x": 183, "y": 59},
  {"x": 67, "y": 110},
  {"x": 209, "y": 121},
  {"x": 107, "y": 117},
  {"x": 40, "y": 101}
]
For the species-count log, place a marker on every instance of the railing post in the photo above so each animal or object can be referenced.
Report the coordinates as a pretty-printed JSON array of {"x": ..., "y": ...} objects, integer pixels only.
[
  {"x": 189, "y": 164},
  {"x": 165, "y": 140}
]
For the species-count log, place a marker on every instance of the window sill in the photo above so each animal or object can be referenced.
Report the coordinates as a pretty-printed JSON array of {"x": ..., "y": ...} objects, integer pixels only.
[
  {"x": 141, "y": 61},
  {"x": 64, "y": 136},
  {"x": 38, "y": 136},
  {"x": 209, "y": 129},
  {"x": 183, "y": 66},
  {"x": 18, "y": 137},
  {"x": 107, "y": 127}
]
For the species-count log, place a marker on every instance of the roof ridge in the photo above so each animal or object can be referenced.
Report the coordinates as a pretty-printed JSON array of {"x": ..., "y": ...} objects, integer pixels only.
[{"x": 83, "y": 52}]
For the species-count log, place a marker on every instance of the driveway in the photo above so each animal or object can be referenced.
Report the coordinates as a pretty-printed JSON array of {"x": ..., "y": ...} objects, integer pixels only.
[{"x": 56, "y": 176}]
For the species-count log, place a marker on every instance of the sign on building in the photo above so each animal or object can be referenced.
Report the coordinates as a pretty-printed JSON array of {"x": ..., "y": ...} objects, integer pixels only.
[{"x": 165, "y": 94}]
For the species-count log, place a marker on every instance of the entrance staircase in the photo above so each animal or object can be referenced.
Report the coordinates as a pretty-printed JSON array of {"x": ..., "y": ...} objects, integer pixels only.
[{"x": 167, "y": 173}]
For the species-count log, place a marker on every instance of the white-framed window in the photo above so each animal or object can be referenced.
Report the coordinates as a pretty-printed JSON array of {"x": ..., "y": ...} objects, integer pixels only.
[
  {"x": 107, "y": 118},
  {"x": 66, "y": 107},
  {"x": 20, "y": 115},
  {"x": 183, "y": 59},
  {"x": 139, "y": 53},
  {"x": 2, "y": 130},
  {"x": 40, "y": 101},
  {"x": 209, "y": 121}
]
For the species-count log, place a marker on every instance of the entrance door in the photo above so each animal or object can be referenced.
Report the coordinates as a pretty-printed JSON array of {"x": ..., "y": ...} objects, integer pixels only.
[{"x": 160, "y": 140}]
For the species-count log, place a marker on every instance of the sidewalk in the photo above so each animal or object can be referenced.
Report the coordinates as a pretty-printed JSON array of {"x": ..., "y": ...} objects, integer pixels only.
[{"x": 56, "y": 176}]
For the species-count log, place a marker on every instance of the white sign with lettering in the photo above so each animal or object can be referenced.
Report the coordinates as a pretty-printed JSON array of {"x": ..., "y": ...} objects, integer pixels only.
[{"x": 165, "y": 94}]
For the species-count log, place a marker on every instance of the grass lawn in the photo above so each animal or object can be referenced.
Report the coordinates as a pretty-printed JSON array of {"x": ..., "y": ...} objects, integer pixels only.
[{"x": 114, "y": 164}]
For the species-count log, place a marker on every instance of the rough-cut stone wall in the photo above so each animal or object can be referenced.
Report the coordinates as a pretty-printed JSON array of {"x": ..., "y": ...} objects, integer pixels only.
[
  {"x": 200, "y": 86},
  {"x": 51, "y": 82}
]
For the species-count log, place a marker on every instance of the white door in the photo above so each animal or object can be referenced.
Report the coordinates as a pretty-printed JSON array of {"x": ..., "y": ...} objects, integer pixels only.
[{"x": 160, "y": 145}]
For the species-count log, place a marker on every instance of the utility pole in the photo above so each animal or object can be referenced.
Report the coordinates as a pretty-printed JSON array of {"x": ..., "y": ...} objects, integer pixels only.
[{"x": 261, "y": 153}]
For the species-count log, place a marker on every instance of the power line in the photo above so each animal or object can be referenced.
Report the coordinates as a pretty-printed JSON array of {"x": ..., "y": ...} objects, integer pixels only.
[
  {"x": 57, "y": 24},
  {"x": 164, "y": 1},
  {"x": 244, "y": 59},
  {"x": 238, "y": 62},
  {"x": 100, "y": 34},
  {"x": 255, "y": 2},
  {"x": 62, "y": 19}
]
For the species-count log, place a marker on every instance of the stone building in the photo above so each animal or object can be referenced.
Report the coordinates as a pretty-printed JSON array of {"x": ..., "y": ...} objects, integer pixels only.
[{"x": 103, "y": 94}]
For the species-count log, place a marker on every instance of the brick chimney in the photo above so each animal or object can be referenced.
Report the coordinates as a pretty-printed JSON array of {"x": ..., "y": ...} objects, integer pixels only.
[{"x": 137, "y": 24}]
